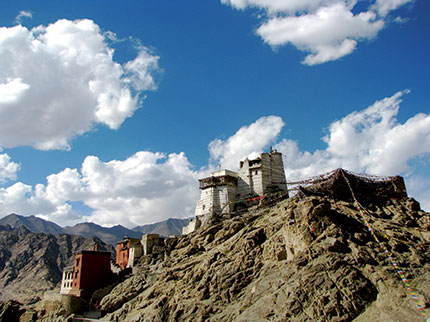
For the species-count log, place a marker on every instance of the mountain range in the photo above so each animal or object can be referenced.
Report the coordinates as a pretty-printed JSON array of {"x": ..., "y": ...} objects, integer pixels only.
[{"x": 109, "y": 235}]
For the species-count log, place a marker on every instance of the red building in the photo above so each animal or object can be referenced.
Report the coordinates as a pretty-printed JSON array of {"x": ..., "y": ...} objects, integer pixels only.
[
  {"x": 126, "y": 251},
  {"x": 91, "y": 271}
]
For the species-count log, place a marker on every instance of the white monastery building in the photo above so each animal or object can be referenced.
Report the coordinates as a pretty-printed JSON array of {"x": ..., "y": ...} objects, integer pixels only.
[{"x": 255, "y": 178}]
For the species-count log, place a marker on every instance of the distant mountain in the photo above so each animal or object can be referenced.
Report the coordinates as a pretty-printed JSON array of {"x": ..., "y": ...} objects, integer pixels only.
[
  {"x": 108, "y": 235},
  {"x": 31, "y": 263},
  {"x": 38, "y": 225},
  {"x": 171, "y": 226},
  {"x": 32, "y": 223}
]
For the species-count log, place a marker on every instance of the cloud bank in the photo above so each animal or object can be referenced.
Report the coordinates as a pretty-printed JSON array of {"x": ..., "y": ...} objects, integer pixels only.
[
  {"x": 146, "y": 187},
  {"x": 371, "y": 141},
  {"x": 59, "y": 81},
  {"x": 324, "y": 29},
  {"x": 149, "y": 187}
]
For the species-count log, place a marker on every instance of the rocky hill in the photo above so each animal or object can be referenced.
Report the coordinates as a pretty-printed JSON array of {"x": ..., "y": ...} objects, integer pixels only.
[
  {"x": 308, "y": 259},
  {"x": 31, "y": 263}
]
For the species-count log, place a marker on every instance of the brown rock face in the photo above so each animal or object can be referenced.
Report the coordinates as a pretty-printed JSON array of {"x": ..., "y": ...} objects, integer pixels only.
[
  {"x": 11, "y": 311},
  {"x": 298, "y": 260}
]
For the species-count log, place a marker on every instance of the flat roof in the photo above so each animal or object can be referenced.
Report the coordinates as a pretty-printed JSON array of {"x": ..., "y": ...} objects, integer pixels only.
[
  {"x": 224, "y": 172},
  {"x": 129, "y": 239}
]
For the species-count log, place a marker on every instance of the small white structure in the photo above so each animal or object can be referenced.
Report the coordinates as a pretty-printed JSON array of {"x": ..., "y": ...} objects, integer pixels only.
[
  {"x": 255, "y": 178},
  {"x": 218, "y": 190},
  {"x": 150, "y": 240},
  {"x": 67, "y": 280},
  {"x": 134, "y": 253}
]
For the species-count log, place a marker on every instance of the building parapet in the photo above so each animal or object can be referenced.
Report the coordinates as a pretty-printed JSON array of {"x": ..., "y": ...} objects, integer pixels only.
[{"x": 213, "y": 181}]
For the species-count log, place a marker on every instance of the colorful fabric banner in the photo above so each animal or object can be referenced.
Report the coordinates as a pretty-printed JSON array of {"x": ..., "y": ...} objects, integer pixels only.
[{"x": 361, "y": 210}]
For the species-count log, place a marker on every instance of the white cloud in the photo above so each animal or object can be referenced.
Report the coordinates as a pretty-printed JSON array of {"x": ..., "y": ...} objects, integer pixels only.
[
  {"x": 328, "y": 34},
  {"x": 24, "y": 200},
  {"x": 146, "y": 187},
  {"x": 385, "y": 6},
  {"x": 149, "y": 187},
  {"x": 371, "y": 141},
  {"x": 23, "y": 14},
  {"x": 61, "y": 80},
  {"x": 8, "y": 169},
  {"x": 290, "y": 6},
  {"x": 12, "y": 90},
  {"x": 324, "y": 29},
  {"x": 246, "y": 142}
]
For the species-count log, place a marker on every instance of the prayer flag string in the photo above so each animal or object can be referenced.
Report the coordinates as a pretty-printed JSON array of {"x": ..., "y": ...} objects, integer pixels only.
[{"x": 405, "y": 281}]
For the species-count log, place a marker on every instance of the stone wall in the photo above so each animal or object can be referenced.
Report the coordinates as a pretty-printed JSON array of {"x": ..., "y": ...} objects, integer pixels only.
[
  {"x": 217, "y": 191},
  {"x": 192, "y": 226},
  {"x": 148, "y": 241},
  {"x": 260, "y": 175},
  {"x": 278, "y": 178},
  {"x": 135, "y": 252}
]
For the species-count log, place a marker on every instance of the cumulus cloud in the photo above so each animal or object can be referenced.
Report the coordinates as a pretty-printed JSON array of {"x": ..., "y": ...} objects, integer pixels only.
[
  {"x": 385, "y": 6},
  {"x": 146, "y": 187},
  {"x": 8, "y": 169},
  {"x": 59, "y": 81},
  {"x": 23, "y": 14},
  {"x": 247, "y": 142},
  {"x": 370, "y": 141},
  {"x": 324, "y": 29},
  {"x": 149, "y": 187}
]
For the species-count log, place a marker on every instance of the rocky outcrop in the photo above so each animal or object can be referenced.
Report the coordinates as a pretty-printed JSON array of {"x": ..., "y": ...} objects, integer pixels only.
[
  {"x": 310, "y": 259},
  {"x": 10, "y": 311},
  {"x": 32, "y": 263}
]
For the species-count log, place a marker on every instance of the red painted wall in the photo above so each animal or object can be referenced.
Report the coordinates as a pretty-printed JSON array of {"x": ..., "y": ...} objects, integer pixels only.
[
  {"x": 91, "y": 270},
  {"x": 122, "y": 253}
]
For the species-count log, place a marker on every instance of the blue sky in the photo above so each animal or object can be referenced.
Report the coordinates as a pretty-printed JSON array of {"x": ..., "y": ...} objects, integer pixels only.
[{"x": 111, "y": 110}]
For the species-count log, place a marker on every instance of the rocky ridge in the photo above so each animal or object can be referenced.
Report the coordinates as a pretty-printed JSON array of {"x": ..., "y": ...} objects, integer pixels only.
[
  {"x": 310, "y": 259},
  {"x": 109, "y": 235}
]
